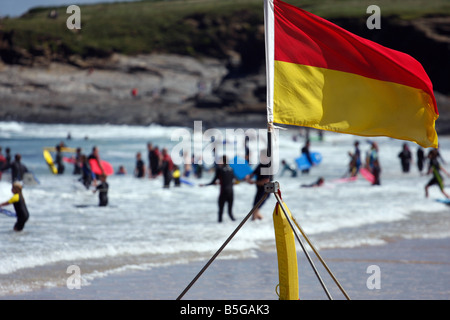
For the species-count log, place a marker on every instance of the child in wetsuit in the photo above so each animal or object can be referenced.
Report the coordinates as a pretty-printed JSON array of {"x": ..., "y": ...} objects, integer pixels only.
[
  {"x": 103, "y": 191},
  {"x": 19, "y": 206}
]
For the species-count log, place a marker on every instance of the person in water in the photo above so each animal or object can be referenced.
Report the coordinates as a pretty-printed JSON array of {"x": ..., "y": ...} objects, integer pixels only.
[
  {"x": 20, "y": 207},
  {"x": 287, "y": 167},
  {"x": 405, "y": 158},
  {"x": 176, "y": 175},
  {"x": 139, "y": 171},
  {"x": 261, "y": 180},
  {"x": 77, "y": 162},
  {"x": 154, "y": 159},
  {"x": 305, "y": 151},
  {"x": 102, "y": 187},
  {"x": 166, "y": 167},
  {"x": 318, "y": 183},
  {"x": 59, "y": 160},
  {"x": 87, "y": 176},
  {"x": 225, "y": 175},
  {"x": 374, "y": 163},
  {"x": 435, "y": 168},
  {"x": 17, "y": 168},
  {"x": 355, "y": 160}
]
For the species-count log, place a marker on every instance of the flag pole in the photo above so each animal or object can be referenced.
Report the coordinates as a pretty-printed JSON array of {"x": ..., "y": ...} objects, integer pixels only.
[{"x": 273, "y": 186}]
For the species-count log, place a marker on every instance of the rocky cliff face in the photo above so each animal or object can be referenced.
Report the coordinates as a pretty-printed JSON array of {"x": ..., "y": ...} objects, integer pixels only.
[{"x": 226, "y": 90}]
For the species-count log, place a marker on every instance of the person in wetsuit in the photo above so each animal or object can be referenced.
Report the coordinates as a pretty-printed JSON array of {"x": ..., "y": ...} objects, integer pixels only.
[
  {"x": 261, "y": 180},
  {"x": 20, "y": 207},
  {"x": 306, "y": 152},
  {"x": 225, "y": 175},
  {"x": 17, "y": 168},
  {"x": 139, "y": 171},
  {"x": 87, "y": 176},
  {"x": 77, "y": 164},
  {"x": 435, "y": 168},
  {"x": 59, "y": 160},
  {"x": 154, "y": 159},
  {"x": 166, "y": 167},
  {"x": 102, "y": 188},
  {"x": 405, "y": 158}
]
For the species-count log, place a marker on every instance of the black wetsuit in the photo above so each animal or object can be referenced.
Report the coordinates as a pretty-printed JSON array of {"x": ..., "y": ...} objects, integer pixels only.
[
  {"x": 405, "y": 159},
  {"x": 140, "y": 168},
  {"x": 225, "y": 175},
  {"x": 260, "y": 177},
  {"x": 154, "y": 161},
  {"x": 17, "y": 170},
  {"x": 59, "y": 162},
  {"x": 305, "y": 150},
  {"x": 21, "y": 212},
  {"x": 77, "y": 166},
  {"x": 87, "y": 175},
  {"x": 103, "y": 194},
  {"x": 166, "y": 169}
]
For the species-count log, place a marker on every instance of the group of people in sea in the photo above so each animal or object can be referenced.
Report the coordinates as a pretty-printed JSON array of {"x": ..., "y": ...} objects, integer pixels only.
[
  {"x": 160, "y": 164},
  {"x": 82, "y": 167},
  {"x": 372, "y": 164}
]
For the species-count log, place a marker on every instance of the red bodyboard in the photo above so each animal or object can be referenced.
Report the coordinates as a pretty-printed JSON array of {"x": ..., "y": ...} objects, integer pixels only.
[
  {"x": 367, "y": 175},
  {"x": 107, "y": 167}
]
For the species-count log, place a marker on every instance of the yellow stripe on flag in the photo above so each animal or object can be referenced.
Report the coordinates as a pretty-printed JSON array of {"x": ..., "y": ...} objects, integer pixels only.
[{"x": 349, "y": 103}]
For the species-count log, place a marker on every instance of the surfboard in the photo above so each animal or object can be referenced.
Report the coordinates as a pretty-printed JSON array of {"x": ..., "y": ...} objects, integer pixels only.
[
  {"x": 446, "y": 201},
  {"x": 29, "y": 179},
  {"x": 63, "y": 149},
  {"x": 93, "y": 206},
  {"x": 8, "y": 213},
  {"x": 367, "y": 175},
  {"x": 48, "y": 158},
  {"x": 189, "y": 183},
  {"x": 303, "y": 163},
  {"x": 107, "y": 167},
  {"x": 240, "y": 168}
]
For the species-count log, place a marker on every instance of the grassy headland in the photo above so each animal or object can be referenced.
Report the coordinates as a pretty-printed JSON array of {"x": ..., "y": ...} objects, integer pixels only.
[{"x": 193, "y": 27}]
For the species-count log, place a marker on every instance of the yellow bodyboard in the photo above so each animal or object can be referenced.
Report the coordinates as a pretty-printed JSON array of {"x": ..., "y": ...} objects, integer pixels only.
[
  {"x": 287, "y": 255},
  {"x": 48, "y": 158}
]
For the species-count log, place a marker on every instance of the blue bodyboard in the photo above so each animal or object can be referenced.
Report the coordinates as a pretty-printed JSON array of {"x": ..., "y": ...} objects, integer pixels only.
[
  {"x": 240, "y": 167},
  {"x": 446, "y": 201},
  {"x": 8, "y": 213},
  {"x": 189, "y": 183},
  {"x": 303, "y": 163}
]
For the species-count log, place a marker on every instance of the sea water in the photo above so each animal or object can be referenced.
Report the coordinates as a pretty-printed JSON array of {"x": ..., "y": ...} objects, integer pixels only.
[{"x": 146, "y": 226}]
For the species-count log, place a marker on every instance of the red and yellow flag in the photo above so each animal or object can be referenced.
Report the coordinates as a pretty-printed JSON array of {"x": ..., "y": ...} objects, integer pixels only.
[{"x": 322, "y": 76}]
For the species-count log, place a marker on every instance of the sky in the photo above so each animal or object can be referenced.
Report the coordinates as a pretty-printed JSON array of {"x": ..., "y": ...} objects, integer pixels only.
[{"x": 14, "y": 8}]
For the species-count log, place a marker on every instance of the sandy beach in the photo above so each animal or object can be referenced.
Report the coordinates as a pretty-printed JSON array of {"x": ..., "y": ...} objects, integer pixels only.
[{"x": 408, "y": 269}]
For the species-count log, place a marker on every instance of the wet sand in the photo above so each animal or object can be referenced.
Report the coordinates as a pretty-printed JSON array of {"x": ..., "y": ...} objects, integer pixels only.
[{"x": 408, "y": 270}]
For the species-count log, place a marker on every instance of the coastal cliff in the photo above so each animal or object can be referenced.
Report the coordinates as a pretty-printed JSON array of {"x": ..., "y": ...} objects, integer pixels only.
[{"x": 216, "y": 73}]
